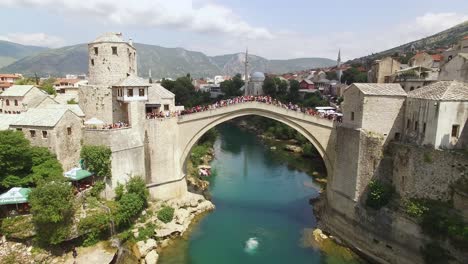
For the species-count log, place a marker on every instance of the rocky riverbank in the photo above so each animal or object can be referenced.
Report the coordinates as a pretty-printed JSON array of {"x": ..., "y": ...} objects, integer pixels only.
[{"x": 185, "y": 210}]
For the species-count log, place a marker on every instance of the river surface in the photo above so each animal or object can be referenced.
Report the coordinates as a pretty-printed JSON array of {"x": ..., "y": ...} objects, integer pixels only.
[{"x": 262, "y": 210}]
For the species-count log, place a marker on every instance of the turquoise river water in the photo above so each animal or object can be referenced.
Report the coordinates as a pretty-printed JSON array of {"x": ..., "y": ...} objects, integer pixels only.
[{"x": 262, "y": 209}]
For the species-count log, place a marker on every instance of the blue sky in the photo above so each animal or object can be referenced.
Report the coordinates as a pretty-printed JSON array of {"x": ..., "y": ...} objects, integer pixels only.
[{"x": 273, "y": 29}]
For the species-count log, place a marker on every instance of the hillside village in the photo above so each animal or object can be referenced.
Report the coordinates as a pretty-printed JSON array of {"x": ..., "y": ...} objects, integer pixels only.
[{"x": 416, "y": 97}]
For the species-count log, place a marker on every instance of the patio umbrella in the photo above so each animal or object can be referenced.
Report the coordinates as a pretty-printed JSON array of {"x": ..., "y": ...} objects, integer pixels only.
[
  {"x": 77, "y": 174},
  {"x": 94, "y": 121},
  {"x": 15, "y": 195}
]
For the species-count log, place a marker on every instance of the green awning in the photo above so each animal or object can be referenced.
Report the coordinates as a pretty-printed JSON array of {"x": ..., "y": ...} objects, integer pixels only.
[
  {"x": 15, "y": 195},
  {"x": 77, "y": 174}
]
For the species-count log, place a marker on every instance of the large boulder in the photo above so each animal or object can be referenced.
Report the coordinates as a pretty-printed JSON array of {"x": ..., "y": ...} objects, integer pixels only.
[
  {"x": 141, "y": 249},
  {"x": 181, "y": 216},
  {"x": 152, "y": 257},
  {"x": 293, "y": 148}
]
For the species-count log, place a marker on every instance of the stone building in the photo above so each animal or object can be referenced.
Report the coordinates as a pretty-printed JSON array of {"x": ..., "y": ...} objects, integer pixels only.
[
  {"x": 255, "y": 85},
  {"x": 111, "y": 61},
  {"x": 58, "y": 129},
  {"x": 20, "y": 98},
  {"x": 382, "y": 70},
  {"x": 159, "y": 99},
  {"x": 460, "y": 47},
  {"x": 436, "y": 115},
  {"x": 415, "y": 77},
  {"x": 455, "y": 69},
  {"x": 373, "y": 107}
]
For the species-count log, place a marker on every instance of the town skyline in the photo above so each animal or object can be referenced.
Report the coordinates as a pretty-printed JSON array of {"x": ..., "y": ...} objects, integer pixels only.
[{"x": 225, "y": 27}]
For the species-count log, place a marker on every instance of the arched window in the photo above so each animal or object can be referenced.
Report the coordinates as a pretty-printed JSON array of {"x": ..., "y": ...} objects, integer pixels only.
[
  {"x": 7, "y": 102},
  {"x": 16, "y": 102}
]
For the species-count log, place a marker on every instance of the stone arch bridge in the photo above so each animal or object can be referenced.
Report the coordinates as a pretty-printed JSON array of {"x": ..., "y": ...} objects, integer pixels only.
[{"x": 169, "y": 142}]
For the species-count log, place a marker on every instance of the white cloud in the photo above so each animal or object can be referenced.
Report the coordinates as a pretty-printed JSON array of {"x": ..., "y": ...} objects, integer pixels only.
[
  {"x": 34, "y": 39},
  {"x": 196, "y": 16}
]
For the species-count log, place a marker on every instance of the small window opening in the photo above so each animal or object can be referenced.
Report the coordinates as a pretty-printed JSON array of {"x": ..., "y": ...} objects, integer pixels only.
[
  {"x": 455, "y": 129},
  {"x": 114, "y": 50},
  {"x": 96, "y": 51},
  {"x": 44, "y": 134},
  {"x": 130, "y": 92},
  {"x": 69, "y": 131},
  {"x": 141, "y": 92},
  {"x": 33, "y": 133},
  {"x": 352, "y": 116},
  {"x": 92, "y": 62}
]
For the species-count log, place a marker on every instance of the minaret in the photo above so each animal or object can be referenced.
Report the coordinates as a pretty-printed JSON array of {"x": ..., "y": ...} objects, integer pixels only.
[
  {"x": 246, "y": 70},
  {"x": 338, "y": 66},
  {"x": 150, "y": 79}
]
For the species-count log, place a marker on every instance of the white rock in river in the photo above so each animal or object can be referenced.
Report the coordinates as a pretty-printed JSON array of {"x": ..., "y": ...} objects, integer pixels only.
[
  {"x": 145, "y": 248},
  {"x": 152, "y": 257}
]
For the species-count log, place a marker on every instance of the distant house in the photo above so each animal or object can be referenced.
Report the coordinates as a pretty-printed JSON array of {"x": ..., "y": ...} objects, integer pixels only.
[
  {"x": 159, "y": 99},
  {"x": 460, "y": 47},
  {"x": 10, "y": 78},
  {"x": 382, "y": 70},
  {"x": 455, "y": 69},
  {"x": 424, "y": 59},
  {"x": 68, "y": 86},
  {"x": 413, "y": 78},
  {"x": 19, "y": 98},
  {"x": 307, "y": 85},
  {"x": 436, "y": 115}
]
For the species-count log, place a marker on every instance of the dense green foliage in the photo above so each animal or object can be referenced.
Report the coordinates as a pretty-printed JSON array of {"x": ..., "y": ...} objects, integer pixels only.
[
  {"x": 379, "y": 194},
  {"x": 131, "y": 202},
  {"x": 97, "y": 159},
  {"x": 52, "y": 209},
  {"x": 232, "y": 88},
  {"x": 93, "y": 225},
  {"x": 20, "y": 227},
  {"x": 48, "y": 86},
  {"x": 293, "y": 95},
  {"x": 269, "y": 86},
  {"x": 415, "y": 208},
  {"x": 97, "y": 189},
  {"x": 22, "y": 165},
  {"x": 203, "y": 146},
  {"x": 313, "y": 100},
  {"x": 27, "y": 81},
  {"x": 165, "y": 214},
  {"x": 146, "y": 232},
  {"x": 353, "y": 75},
  {"x": 185, "y": 93}
]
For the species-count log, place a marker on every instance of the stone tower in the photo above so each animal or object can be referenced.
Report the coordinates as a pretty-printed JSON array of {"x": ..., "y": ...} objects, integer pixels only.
[{"x": 111, "y": 59}]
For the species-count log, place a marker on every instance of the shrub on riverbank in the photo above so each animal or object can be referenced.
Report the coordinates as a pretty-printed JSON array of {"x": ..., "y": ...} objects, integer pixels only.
[
  {"x": 131, "y": 202},
  {"x": 52, "y": 209},
  {"x": 379, "y": 194},
  {"x": 166, "y": 214}
]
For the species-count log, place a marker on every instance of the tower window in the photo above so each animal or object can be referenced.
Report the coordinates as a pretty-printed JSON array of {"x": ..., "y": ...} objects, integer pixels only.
[
  {"x": 424, "y": 128},
  {"x": 92, "y": 62},
  {"x": 69, "y": 130},
  {"x": 455, "y": 129},
  {"x": 114, "y": 50},
  {"x": 7, "y": 102},
  {"x": 408, "y": 124},
  {"x": 416, "y": 126},
  {"x": 16, "y": 102},
  {"x": 130, "y": 92},
  {"x": 96, "y": 51},
  {"x": 141, "y": 92},
  {"x": 44, "y": 134},
  {"x": 33, "y": 133},
  {"x": 352, "y": 116}
]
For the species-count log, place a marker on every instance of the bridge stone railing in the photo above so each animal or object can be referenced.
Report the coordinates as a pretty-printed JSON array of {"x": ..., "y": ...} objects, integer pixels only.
[{"x": 258, "y": 106}]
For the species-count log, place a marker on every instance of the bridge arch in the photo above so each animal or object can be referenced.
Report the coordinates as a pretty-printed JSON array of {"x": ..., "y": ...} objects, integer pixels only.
[{"x": 194, "y": 126}]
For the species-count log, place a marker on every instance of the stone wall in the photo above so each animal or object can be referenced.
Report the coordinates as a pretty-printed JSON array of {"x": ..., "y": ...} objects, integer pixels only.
[
  {"x": 128, "y": 156},
  {"x": 96, "y": 101},
  {"x": 423, "y": 172}
]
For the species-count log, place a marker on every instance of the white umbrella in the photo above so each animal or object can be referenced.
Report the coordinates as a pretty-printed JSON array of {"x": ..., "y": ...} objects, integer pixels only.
[{"x": 94, "y": 121}]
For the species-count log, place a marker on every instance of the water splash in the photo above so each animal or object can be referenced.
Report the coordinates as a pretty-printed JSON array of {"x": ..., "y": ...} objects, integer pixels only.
[{"x": 251, "y": 245}]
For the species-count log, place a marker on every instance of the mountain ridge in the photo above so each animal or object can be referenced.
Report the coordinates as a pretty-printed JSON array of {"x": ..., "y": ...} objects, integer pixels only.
[{"x": 163, "y": 62}]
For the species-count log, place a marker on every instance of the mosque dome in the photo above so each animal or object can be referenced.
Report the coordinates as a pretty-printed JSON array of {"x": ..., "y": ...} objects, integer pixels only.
[{"x": 257, "y": 77}]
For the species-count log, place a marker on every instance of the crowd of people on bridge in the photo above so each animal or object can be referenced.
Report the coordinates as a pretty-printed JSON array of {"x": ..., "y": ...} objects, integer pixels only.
[
  {"x": 331, "y": 115},
  {"x": 116, "y": 125}
]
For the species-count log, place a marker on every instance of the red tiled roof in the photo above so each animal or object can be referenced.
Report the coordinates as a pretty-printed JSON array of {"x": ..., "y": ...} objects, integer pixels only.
[
  {"x": 437, "y": 57},
  {"x": 7, "y": 75},
  {"x": 5, "y": 85},
  {"x": 465, "y": 38},
  {"x": 64, "y": 80}
]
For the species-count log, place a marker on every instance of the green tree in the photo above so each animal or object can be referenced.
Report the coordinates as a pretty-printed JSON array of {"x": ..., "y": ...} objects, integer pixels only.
[
  {"x": 48, "y": 86},
  {"x": 231, "y": 88},
  {"x": 26, "y": 81},
  {"x": 269, "y": 86},
  {"x": 353, "y": 75},
  {"x": 52, "y": 210},
  {"x": 15, "y": 157},
  {"x": 331, "y": 75},
  {"x": 293, "y": 95},
  {"x": 97, "y": 159},
  {"x": 282, "y": 90},
  {"x": 314, "y": 100},
  {"x": 45, "y": 167}
]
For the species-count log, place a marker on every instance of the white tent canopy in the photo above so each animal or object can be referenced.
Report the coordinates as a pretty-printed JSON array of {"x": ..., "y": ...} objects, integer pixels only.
[{"x": 94, "y": 121}]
